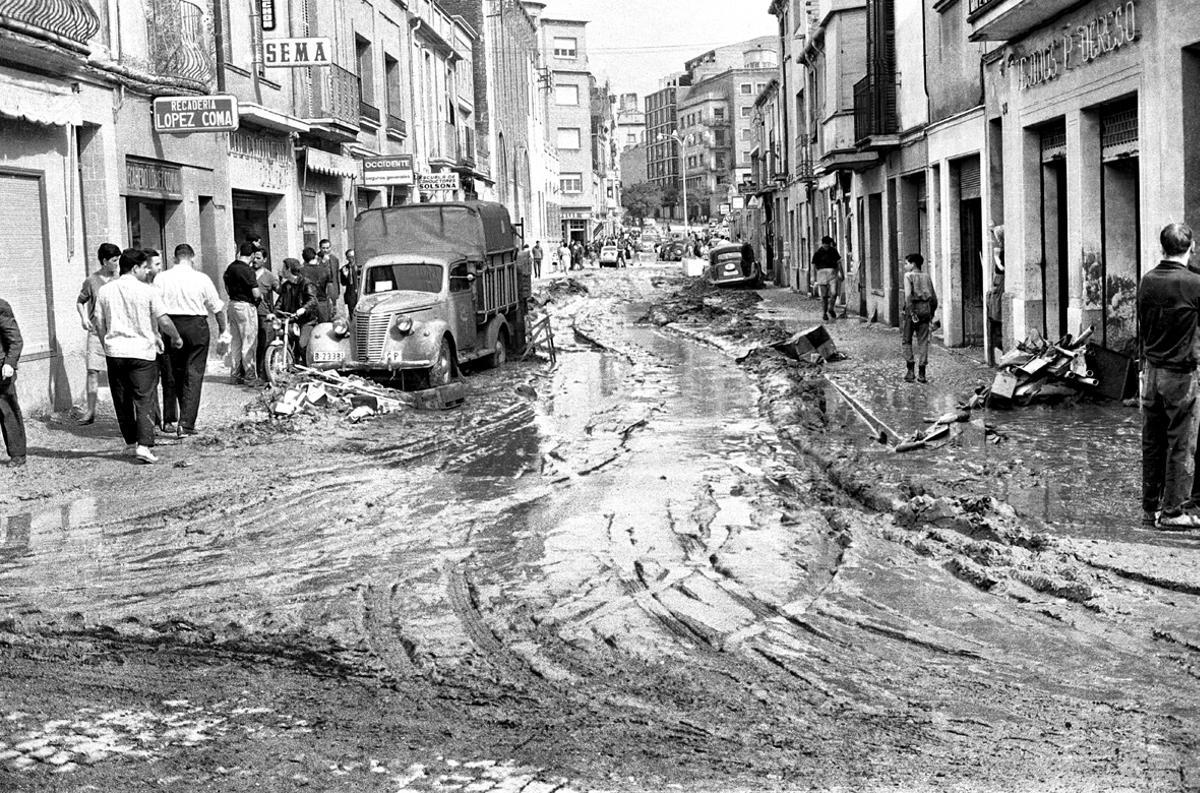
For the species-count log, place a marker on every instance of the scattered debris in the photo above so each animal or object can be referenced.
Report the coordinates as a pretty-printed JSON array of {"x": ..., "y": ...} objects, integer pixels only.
[
  {"x": 807, "y": 342},
  {"x": 1038, "y": 369}
]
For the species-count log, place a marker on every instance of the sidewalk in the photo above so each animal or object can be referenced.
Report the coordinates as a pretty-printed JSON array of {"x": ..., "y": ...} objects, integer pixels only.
[{"x": 1076, "y": 467}]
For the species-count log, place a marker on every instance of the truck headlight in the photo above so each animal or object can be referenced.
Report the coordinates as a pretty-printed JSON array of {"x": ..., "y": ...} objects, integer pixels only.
[
  {"x": 341, "y": 329},
  {"x": 403, "y": 325}
]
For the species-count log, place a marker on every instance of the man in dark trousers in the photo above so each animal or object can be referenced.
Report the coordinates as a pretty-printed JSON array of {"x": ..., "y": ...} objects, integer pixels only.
[
  {"x": 827, "y": 274},
  {"x": 11, "y": 421},
  {"x": 319, "y": 272},
  {"x": 1168, "y": 305},
  {"x": 129, "y": 320},
  {"x": 189, "y": 298}
]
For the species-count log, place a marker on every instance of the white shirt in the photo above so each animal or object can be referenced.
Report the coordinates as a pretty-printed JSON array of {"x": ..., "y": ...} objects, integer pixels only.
[
  {"x": 126, "y": 318},
  {"x": 187, "y": 293}
]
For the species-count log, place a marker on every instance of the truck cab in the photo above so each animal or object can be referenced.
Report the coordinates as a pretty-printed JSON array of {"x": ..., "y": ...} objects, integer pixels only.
[{"x": 439, "y": 286}]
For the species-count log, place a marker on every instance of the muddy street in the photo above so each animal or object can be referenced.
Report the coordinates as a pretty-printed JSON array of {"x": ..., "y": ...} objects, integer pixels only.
[{"x": 648, "y": 567}]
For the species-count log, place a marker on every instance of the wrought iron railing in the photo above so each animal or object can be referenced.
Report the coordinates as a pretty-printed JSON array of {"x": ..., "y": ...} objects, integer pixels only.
[
  {"x": 874, "y": 108},
  {"x": 397, "y": 125},
  {"x": 68, "y": 20},
  {"x": 369, "y": 112},
  {"x": 179, "y": 41},
  {"x": 334, "y": 95},
  {"x": 979, "y": 6}
]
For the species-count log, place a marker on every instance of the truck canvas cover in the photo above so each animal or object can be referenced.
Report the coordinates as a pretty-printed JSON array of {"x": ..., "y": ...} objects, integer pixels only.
[{"x": 472, "y": 229}]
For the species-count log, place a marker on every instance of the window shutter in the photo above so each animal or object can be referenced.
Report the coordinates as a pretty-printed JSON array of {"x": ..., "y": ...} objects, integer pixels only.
[
  {"x": 968, "y": 179},
  {"x": 23, "y": 253}
]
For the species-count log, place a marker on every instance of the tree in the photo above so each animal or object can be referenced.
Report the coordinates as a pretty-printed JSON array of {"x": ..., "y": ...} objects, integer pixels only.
[{"x": 641, "y": 200}]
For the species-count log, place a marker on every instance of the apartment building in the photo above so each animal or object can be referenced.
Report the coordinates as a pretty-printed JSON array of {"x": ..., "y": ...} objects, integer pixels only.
[{"x": 581, "y": 190}]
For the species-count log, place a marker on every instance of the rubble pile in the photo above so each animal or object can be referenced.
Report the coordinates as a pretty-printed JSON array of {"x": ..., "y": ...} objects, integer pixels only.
[
  {"x": 356, "y": 398},
  {"x": 1040, "y": 370}
]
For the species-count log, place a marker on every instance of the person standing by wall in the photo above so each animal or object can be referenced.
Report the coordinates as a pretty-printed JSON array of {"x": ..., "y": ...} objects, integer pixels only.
[
  {"x": 12, "y": 423},
  {"x": 827, "y": 274},
  {"x": 129, "y": 318},
  {"x": 109, "y": 256},
  {"x": 242, "y": 287},
  {"x": 538, "y": 255},
  {"x": 1168, "y": 306},
  {"x": 916, "y": 317},
  {"x": 189, "y": 299}
]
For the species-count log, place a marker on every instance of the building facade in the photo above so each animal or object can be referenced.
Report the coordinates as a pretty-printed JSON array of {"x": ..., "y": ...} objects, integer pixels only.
[{"x": 581, "y": 196}]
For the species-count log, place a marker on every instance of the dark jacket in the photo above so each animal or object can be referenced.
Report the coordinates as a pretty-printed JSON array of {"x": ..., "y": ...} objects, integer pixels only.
[
  {"x": 10, "y": 337},
  {"x": 1168, "y": 304},
  {"x": 297, "y": 297}
]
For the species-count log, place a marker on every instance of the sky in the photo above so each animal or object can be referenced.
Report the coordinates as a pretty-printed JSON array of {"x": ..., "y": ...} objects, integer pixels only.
[{"x": 635, "y": 43}]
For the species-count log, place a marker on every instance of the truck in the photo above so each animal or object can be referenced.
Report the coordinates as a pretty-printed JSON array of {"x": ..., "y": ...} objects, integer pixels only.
[{"x": 439, "y": 285}]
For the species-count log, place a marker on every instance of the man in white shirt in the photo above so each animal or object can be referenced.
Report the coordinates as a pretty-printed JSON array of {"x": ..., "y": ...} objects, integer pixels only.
[
  {"x": 189, "y": 299},
  {"x": 128, "y": 319}
]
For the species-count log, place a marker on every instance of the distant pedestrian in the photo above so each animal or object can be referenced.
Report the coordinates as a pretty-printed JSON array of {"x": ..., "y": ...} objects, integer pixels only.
[
  {"x": 916, "y": 318},
  {"x": 350, "y": 277},
  {"x": 109, "y": 256},
  {"x": 129, "y": 319},
  {"x": 12, "y": 423},
  {"x": 189, "y": 299},
  {"x": 748, "y": 258},
  {"x": 576, "y": 255},
  {"x": 538, "y": 255},
  {"x": 319, "y": 272},
  {"x": 827, "y": 273},
  {"x": 241, "y": 285},
  {"x": 1168, "y": 305}
]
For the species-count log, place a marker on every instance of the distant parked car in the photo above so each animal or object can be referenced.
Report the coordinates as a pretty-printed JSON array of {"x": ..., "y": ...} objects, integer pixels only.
[
  {"x": 609, "y": 256},
  {"x": 726, "y": 267},
  {"x": 673, "y": 251}
]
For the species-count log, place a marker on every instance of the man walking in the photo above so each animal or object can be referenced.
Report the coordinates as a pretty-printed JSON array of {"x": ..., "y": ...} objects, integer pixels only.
[
  {"x": 12, "y": 423},
  {"x": 188, "y": 299},
  {"x": 538, "y": 255},
  {"x": 827, "y": 273},
  {"x": 916, "y": 318},
  {"x": 109, "y": 255},
  {"x": 1168, "y": 304},
  {"x": 129, "y": 318},
  {"x": 242, "y": 287}
]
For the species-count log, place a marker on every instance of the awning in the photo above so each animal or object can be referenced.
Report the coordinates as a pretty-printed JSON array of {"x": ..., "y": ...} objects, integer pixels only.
[
  {"x": 319, "y": 161},
  {"x": 38, "y": 100},
  {"x": 270, "y": 119}
]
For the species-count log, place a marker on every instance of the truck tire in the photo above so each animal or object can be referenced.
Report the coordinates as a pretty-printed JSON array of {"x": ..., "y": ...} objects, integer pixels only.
[
  {"x": 442, "y": 371},
  {"x": 500, "y": 349}
]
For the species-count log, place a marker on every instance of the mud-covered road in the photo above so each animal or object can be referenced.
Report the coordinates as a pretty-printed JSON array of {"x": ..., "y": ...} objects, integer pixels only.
[{"x": 647, "y": 568}]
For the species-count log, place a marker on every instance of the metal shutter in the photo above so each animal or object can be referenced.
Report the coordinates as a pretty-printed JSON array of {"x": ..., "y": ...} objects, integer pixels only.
[
  {"x": 23, "y": 259},
  {"x": 968, "y": 179}
]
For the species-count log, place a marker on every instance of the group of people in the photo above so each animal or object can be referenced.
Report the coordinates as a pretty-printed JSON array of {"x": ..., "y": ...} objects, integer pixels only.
[{"x": 917, "y": 312}]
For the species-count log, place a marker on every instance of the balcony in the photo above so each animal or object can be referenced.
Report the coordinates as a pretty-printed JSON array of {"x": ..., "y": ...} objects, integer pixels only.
[
  {"x": 396, "y": 126},
  {"x": 368, "y": 112},
  {"x": 875, "y": 123},
  {"x": 1001, "y": 20},
  {"x": 179, "y": 43},
  {"x": 466, "y": 148},
  {"x": 68, "y": 23},
  {"x": 333, "y": 103}
]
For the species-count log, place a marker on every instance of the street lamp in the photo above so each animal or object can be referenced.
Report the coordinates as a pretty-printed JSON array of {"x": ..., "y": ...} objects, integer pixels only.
[{"x": 682, "y": 173}]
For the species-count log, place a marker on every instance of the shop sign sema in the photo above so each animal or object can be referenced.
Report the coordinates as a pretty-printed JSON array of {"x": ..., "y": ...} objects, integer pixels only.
[
  {"x": 1079, "y": 44},
  {"x": 186, "y": 114},
  {"x": 297, "y": 53}
]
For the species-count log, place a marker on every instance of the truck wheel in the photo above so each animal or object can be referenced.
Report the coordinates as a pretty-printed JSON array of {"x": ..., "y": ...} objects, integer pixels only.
[
  {"x": 442, "y": 371},
  {"x": 500, "y": 350}
]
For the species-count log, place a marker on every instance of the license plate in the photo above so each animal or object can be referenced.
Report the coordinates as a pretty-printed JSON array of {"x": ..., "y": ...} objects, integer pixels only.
[
  {"x": 328, "y": 357},
  {"x": 393, "y": 356}
]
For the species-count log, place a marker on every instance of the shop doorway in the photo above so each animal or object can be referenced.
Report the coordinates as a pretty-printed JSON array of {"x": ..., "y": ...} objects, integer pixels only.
[
  {"x": 875, "y": 246},
  {"x": 251, "y": 217},
  {"x": 1121, "y": 224},
  {"x": 146, "y": 222},
  {"x": 970, "y": 250}
]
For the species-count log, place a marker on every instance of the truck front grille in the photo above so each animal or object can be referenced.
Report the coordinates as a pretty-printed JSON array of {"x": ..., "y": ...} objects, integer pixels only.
[{"x": 370, "y": 331}]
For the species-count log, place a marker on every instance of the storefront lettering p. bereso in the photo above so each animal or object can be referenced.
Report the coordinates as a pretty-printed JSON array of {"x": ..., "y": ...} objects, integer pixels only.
[{"x": 1078, "y": 45}]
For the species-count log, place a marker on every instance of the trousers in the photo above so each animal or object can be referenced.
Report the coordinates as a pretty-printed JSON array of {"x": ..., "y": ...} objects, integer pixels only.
[
  {"x": 187, "y": 370},
  {"x": 921, "y": 331},
  {"x": 134, "y": 386},
  {"x": 1168, "y": 437},
  {"x": 12, "y": 423},
  {"x": 243, "y": 346}
]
